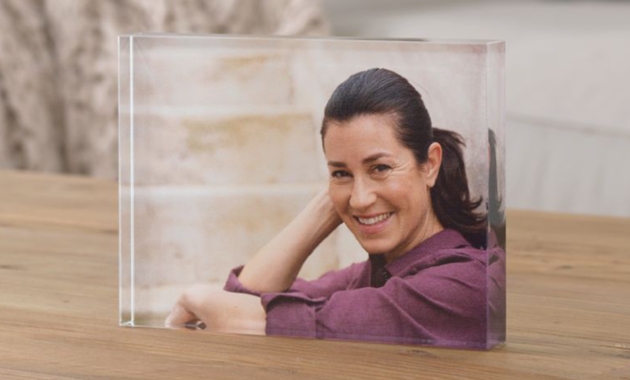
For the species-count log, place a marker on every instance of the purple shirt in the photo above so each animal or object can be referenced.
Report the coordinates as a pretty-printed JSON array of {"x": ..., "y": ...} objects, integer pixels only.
[{"x": 436, "y": 294}]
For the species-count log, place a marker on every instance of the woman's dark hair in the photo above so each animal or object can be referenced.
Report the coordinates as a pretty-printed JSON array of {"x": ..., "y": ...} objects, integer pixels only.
[{"x": 383, "y": 92}]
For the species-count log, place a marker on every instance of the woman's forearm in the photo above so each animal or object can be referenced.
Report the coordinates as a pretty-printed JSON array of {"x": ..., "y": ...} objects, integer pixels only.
[
  {"x": 219, "y": 310},
  {"x": 276, "y": 265}
]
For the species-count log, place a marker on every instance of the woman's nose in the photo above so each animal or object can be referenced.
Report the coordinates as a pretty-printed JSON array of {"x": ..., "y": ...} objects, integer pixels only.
[{"x": 362, "y": 195}]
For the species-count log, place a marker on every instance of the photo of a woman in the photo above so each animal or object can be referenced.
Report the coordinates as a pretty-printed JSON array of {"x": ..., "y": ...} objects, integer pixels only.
[{"x": 400, "y": 186}]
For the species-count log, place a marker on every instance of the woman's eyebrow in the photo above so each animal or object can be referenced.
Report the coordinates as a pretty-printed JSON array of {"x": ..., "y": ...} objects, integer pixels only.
[
  {"x": 375, "y": 157},
  {"x": 367, "y": 160},
  {"x": 337, "y": 164}
]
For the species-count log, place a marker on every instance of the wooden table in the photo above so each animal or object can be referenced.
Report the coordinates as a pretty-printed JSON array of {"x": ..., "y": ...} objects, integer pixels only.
[{"x": 568, "y": 305}]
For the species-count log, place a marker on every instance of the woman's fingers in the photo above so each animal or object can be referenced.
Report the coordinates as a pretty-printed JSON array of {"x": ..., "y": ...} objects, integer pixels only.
[
  {"x": 180, "y": 317},
  {"x": 191, "y": 310}
]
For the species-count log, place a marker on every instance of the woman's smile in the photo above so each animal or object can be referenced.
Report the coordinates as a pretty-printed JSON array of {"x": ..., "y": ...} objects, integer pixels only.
[
  {"x": 373, "y": 224},
  {"x": 370, "y": 220}
]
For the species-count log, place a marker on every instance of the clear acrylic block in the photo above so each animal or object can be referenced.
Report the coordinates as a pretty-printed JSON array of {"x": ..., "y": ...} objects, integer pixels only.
[{"x": 220, "y": 149}]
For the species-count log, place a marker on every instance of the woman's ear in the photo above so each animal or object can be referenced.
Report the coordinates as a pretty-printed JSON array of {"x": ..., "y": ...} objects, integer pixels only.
[{"x": 434, "y": 161}]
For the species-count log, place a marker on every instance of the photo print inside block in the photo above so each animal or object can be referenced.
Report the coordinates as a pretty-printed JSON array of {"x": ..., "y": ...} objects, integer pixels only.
[{"x": 319, "y": 188}]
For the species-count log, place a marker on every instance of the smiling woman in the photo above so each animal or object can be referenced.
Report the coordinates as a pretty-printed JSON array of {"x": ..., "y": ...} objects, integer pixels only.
[
  {"x": 400, "y": 186},
  {"x": 371, "y": 178}
]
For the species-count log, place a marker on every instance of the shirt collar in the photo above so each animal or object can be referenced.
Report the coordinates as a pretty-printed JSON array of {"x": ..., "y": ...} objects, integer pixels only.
[{"x": 445, "y": 239}]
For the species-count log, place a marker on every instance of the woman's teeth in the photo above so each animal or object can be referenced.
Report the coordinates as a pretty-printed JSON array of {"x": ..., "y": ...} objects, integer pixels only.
[{"x": 374, "y": 220}]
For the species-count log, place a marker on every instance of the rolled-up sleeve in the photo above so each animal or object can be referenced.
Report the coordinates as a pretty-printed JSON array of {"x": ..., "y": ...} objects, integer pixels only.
[{"x": 324, "y": 286}]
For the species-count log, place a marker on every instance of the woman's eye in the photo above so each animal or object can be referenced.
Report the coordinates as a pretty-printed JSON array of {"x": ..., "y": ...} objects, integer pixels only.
[
  {"x": 339, "y": 174},
  {"x": 381, "y": 168}
]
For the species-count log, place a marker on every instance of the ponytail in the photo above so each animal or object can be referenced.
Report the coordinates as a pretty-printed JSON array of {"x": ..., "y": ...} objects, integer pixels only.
[{"x": 450, "y": 197}]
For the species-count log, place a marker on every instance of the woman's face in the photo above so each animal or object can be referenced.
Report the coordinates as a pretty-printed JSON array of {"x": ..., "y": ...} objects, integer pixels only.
[{"x": 378, "y": 188}]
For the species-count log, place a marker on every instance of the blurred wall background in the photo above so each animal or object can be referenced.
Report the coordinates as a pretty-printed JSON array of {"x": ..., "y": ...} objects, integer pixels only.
[
  {"x": 59, "y": 68},
  {"x": 567, "y": 88},
  {"x": 567, "y": 79}
]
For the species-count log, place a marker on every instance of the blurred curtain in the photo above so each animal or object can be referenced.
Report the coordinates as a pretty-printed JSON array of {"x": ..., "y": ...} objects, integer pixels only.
[{"x": 58, "y": 68}]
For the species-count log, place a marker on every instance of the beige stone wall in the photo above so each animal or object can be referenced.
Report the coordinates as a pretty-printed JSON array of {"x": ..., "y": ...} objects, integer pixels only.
[{"x": 225, "y": 148}]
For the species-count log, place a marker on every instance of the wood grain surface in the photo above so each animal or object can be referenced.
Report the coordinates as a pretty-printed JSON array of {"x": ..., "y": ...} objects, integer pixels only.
[{"x": 568, "y": 305}]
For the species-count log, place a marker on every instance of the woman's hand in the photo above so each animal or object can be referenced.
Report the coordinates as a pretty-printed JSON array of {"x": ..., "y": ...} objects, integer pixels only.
[
  {"x": 219, "y": 310},
  {"x": 275, "y": 267}
]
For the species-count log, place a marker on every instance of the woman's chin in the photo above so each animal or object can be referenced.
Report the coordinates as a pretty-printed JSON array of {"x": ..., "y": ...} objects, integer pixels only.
[{"x": 375, "y": 247}]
